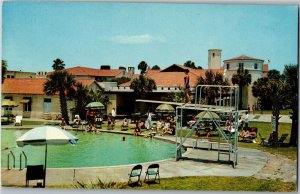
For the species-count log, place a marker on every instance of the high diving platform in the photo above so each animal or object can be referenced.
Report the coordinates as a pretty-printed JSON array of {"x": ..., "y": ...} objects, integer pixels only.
[{"x": 226, "y": 103}]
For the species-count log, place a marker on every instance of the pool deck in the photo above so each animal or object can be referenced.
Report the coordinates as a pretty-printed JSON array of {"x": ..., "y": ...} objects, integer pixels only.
[{"x": 198, "y": 162}]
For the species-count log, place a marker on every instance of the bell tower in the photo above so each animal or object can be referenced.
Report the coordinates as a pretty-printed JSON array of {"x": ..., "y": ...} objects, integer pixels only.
[{"x": 214, "y": 58}]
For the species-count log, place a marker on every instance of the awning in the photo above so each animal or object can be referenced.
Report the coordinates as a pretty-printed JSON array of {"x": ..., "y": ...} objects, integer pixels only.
[{"x": 24, "y": 101}]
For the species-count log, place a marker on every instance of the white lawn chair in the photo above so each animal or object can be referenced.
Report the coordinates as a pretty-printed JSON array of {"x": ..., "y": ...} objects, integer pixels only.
[{"x": 18, "y": 120}]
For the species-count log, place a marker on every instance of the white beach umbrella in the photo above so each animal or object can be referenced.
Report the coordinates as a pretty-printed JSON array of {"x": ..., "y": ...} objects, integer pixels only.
[{"x": 46, "y": 135}]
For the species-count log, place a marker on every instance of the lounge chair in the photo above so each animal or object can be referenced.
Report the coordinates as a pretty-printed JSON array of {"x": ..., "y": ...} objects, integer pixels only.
[
  {"x": 282, "y": 138},
  {"x": 18, "y": 120},
  {"x": 136, "y": 172},
  {"x": 153, "y": 170},
  {"x": 35, "y": 172}
]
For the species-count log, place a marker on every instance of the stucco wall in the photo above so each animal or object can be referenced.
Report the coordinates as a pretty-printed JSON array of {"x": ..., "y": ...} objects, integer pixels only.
[{"x": 37, "y": 106}]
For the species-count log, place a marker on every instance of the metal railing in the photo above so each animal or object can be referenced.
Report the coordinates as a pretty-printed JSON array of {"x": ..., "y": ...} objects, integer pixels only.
[
  {"x": 25, "y": 157},
  {"x": 8, "y": 160}
]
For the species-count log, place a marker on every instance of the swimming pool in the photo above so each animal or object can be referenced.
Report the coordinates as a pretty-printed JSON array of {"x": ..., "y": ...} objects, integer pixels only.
[{"x": 104, "y": 149}]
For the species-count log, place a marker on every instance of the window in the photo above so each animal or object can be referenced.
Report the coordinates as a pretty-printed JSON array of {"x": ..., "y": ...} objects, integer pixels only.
[
  {"x": 47, "y": 105},
  {"x": 241, "y": 65},
  {"x": 227, "y": 66},
  {"x": 168, "y": 88},
  {"x": 26, "y": 103},
  {"x": 162, "y": 88},
  {"x": 10, "y": 76},
  {"x": 255, "y": 66},
  {"x": 213, "y": 54}
]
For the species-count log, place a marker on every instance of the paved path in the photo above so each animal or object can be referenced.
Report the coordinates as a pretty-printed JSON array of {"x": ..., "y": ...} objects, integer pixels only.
[
  {"x": 267, "y": 118},
  {"x": 200, "y": 162}
]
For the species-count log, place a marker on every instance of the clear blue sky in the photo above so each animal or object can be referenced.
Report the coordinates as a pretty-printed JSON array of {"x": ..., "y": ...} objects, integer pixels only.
[{"x": 123, "y": 34}]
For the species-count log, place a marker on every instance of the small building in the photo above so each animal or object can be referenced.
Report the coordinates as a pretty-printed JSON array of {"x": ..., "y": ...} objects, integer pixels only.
[
  {"x": 29, "y": 94},
  {"x": 256, "y": 68}
]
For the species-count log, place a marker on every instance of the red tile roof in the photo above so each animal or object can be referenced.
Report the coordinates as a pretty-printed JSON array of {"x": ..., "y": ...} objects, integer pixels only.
[
  {"x": 165, "y": 78},
  {"x": 243, "y": 57},
  {"x": 23, "y": 86},
  {"x": 93, "y": 72},
  {"x": 33, "y": 86},
  {"x": 85, "y": 82}
]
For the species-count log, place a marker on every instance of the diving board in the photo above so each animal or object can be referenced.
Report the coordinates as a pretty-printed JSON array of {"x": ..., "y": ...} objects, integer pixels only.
[
  {"x": 192, "y": 106},
  {"x": 159, "y": 102}
]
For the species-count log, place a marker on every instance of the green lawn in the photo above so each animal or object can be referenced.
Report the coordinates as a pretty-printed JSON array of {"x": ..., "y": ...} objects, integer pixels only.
[
  {"x": 200, "y": 183},
  {"x": 282, "y": 112}
]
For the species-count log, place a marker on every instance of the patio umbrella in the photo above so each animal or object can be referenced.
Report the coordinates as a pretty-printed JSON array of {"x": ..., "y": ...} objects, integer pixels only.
[
  {"x": 207, "y": 115},
  {"x": 7, "y": 103},
  {"x": 95, "y": 105},
  {"x": 46, "y": 135},
  {"x": 165, "y": 108}
]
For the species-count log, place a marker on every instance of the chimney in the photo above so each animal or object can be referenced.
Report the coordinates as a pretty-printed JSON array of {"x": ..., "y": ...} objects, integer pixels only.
[
  {"x": 131, "y": 70},
  {"x": 105, "y": 67}
]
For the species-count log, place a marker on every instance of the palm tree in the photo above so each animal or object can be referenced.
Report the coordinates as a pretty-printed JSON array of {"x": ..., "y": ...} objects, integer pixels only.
[
  {"x": 243, "y": 79},
  {"x": 143, "y": 67},
  {"x": 63, "y": 83},
  {"x": 291, "y": 90},
  {"x": 81, "y": 99},
  {"x": 190, "y": 64},
  {"x": 212, "y": 78},
  {"x": 155, "y": 67},
  {"x": 175, "y": 96},
  {"x": 58, "y": 64},
  {"x": 263, "y": 99},
  {"x": 142, "y": 86},
  {"x": 4, "y": 66},
  {"x": 272, "y": 87}
]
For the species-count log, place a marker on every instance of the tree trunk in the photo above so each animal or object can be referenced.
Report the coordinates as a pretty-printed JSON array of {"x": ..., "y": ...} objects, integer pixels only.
[
  {"x": 294, "y": 129},
  {"x": 275, "y": 112},
  {"x": 64, "y": 106},
  {"x": 241, "y": 98}
]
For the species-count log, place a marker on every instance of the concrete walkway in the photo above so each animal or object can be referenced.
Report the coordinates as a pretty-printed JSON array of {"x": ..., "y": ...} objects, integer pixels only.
[
  {"x": 267, "y": 118},
  {"x": 200, "y": 162}
]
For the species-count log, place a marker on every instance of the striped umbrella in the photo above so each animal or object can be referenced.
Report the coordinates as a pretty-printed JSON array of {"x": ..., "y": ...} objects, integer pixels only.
[{"x": 165, "y": 108}]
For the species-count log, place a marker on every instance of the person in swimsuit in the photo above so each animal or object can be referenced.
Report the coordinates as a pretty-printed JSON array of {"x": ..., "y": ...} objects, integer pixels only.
[{"x": 187, "y": 86}]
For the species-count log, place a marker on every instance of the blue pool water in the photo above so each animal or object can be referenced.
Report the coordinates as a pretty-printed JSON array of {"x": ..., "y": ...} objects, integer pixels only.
[{"x": 105, "y": 149}]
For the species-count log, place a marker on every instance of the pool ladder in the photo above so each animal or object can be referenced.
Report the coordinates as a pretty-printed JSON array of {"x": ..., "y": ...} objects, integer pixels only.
[
  {"x": 11, "y": 154},
  {"x": 25, "y": 157}
]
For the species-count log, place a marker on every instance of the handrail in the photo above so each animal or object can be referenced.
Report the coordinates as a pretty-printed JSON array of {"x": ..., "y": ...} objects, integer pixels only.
[
  {"x": 8, "y": 159},
  {"x": 23, "y": 154}
]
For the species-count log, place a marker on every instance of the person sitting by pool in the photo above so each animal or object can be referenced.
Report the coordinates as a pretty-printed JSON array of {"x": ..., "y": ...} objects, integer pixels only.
[
  {"x": 109, "y": 123},
  {"x": 159, "y": 125},
  {"x": 169, "y": 131},
  {"x": 244, "y": 134},
  {"x": 125, "y": 123},
  {"x": 192, "y": 121},
  {"x": 137, "y": 129},
  {"x": 197, "y": 133},
  {"x": 63, "y": 124},
  {"x": 166, "y": 128}
]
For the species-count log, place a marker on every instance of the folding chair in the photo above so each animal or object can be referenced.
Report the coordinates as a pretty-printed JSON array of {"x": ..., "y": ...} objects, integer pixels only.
[
  {"x": 35, "y": 172},
  {"x": 153, "y": 170},
  {"x": 282, "y": 138},
  {"x": 136, "y": 172}
]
